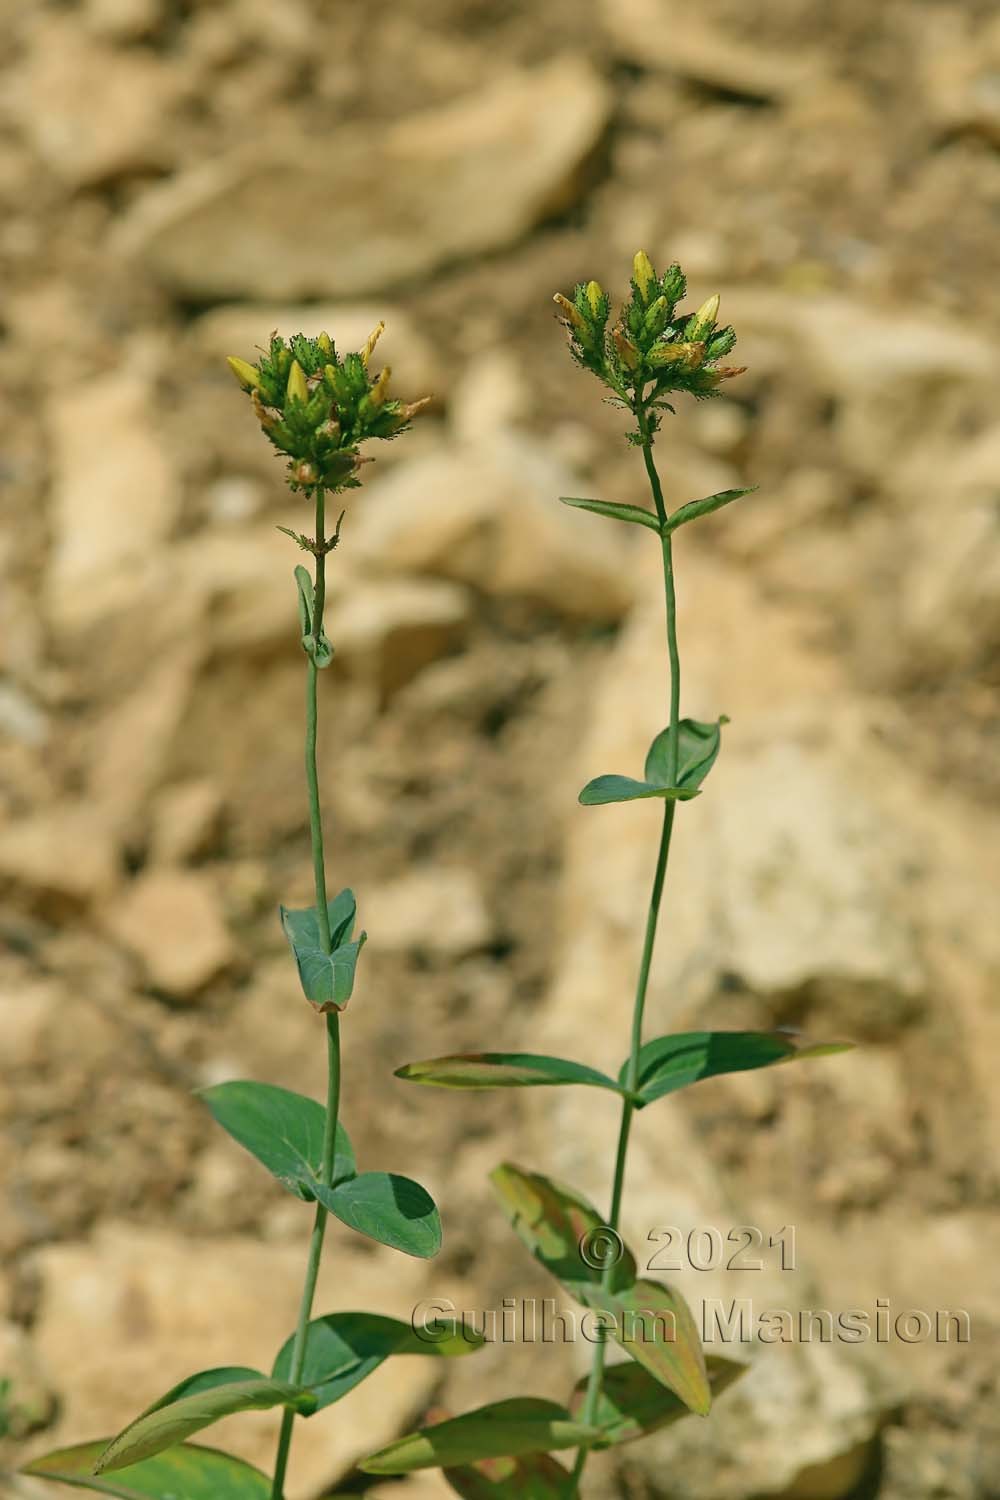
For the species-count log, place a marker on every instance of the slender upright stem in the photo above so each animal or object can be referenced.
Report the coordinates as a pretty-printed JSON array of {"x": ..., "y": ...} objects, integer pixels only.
[
  {"x": 332, "y": 1021},
  {"x": 596, "y": 1378}
]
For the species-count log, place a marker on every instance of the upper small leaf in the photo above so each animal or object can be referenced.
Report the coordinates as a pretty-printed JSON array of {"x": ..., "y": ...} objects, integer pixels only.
[
  {"x": 502, "y": 1070},
  {"x": 696, "y": 508},
  {"x": 164, "y": 1426},
  {"x": 284, "y": 1130},
  {"x": 608, "y": 508},
  {"x": 188, "y": 1472},
  {"x": 604, "y": 789},
  {"x": 327, "y": 978},
  {"x": 673, "y": 1062},
  {"x": 386, "y": 1207},
  {"x": 343, "y": 1348},
  {"x": 698, "y": 748},
  {"x": 505, "y": 1429}
]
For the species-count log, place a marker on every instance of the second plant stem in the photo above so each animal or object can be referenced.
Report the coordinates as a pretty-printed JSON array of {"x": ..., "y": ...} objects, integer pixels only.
[
  {"x": 332, "y": 1020},
  {"x": 592, "y": 1400}
]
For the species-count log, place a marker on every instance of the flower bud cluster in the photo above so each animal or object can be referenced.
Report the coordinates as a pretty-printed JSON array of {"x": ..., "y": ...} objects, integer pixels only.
[
  {"x": 652, "y": 349},
  {"x": 317, "y": 407}
]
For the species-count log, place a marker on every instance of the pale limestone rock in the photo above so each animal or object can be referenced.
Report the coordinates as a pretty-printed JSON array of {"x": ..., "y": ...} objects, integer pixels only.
[
  {"x": 172, "y": 921},
  {"x": 243, "y": 330},
  {"x": 386, "y": 632},
  {"x": 115, "y": 497},
  {"x": 28, "y": 1011},
  {"x": 185, "y": 820},
  {"x": 490, "y": 517},
  {"x": 439, "y": 910},
  {"x": 669, "y": 35},
  {"x": 160, "y": 1307},
  {"x": 65, "y": 851},
  {"x": 456, "y": 182},
  {"x": 123, "y": 20},
  {"x": 87, "y": 145}
]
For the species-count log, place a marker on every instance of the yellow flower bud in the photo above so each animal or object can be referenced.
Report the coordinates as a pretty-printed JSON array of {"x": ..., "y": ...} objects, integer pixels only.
[
  {"x": 689, "y": 355},
  {"x": 642, "y": 270},
  {"x": 248, "y": 375},
  {"x": 325, "y": 342},
  {"x": 379, "y": 390},
  {"x": 297, "y": 383},
  {"x": 370, "y": 343},
  {"x": 704, "y": 319},
  {"x": 627, "y": 350},
  {"x": 595, "y": 298},
  {"x": 571, "y": 312}
]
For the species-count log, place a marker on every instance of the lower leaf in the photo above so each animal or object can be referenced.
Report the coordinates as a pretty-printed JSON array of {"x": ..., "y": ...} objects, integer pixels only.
[
  {"x": 189, "y": 1471},
  {"x": 534, "y": 1476},
  {"x": 506, "y": 1429},
  {"x": 633, "y": 1403},
  {"x": 386, "y": 1207}
]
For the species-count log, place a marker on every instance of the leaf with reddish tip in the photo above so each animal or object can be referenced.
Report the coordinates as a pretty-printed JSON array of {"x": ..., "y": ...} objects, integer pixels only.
[
  {"x": 554, "y": 1221},
  {"x": 504, "y": 1429},
  {"x": 633, "y": 1403},
  {"x": 503, "y": 1070},
  {"x": 188, "y": 1471}
]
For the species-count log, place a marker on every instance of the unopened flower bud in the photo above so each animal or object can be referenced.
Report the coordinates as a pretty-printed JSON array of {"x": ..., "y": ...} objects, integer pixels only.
[
  {"x": 627, "y": 351},
  {"x": 267, "y": 416},
  {"x": 380, "y": 389},
  {"x": 248, "y": 375},
  {"x": 595, "y": 298},
  {"x": 656, "y": 316},
  {"x": 370, "y": 343},
  {"x": 297, "y": 386},
  {"x": 704, "y": 319},
  {"x": 688, "y": 355},
  {"x": 324, "y": 342},
  {"x": 729, "y": 372},
  {"x": 642, "y": 270},
  {"x": 304, "y": 474},
  {"x": 572, "y": 314},
  {"x": 409, "y": 409}
]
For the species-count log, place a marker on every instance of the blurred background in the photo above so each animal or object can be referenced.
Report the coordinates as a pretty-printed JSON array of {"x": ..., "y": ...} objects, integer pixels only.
[{"x": 179, "y": 179}]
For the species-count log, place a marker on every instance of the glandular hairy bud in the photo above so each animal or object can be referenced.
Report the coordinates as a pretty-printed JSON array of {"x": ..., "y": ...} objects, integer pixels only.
[
  {"x": 409, "y": 409},
  {"x": 704, "y": 319},
  {"x": 642, "y": 270},
  {"x": 656, "y": 317},
  {"x": 627, "y": 351},
  {"x": 325, "y": 343},
  {"x": 297, "y": 386},
  {"x": 380, "y": 389},
  {"x": 572, "y": 314},
  {"x": 729, "y": 372},
  {"x": 370, "y": 342},
  {"x": 247, "y": 374},
  {"x": 595, "y": 298},
  {"x": 687, "y": 354},
  {"x": 304, "y": 474}
]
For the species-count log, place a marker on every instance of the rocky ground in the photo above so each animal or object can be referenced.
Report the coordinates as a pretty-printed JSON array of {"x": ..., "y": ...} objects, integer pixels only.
[{"x": 181, "y": 178}]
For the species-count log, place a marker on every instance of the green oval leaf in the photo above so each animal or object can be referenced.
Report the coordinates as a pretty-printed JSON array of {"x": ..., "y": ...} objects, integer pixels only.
[
  {"x": 205, "y": 1380},
  {"x": 327, "y": 978},
  {"x": 505, "y": 1429},
  {"x": 555, "y": 1222},
  {"x": 386, "y": 1207},
  {"x": 654, "y": 1324},
  {"x": 165, "y": 1426},
  {"x": 695, "y": 508},
  {"x": 674, "y": 1062},
  {"x": 634, "y": 513},
  {"x": 502, "y": 1070},
  {"x": 185, "y": 1473},
  {"x": 343, "y": 1348},
  {"x": 698, "y": 748},
  {"x": 633, "y": 1403},
  {"x": 605, "y": 789},
  {"x": 533, "y": 1476},
  {"x": 282, "y": 1129}
]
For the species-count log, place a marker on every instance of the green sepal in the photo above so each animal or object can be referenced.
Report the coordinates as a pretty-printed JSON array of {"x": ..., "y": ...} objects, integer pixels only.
[
  {"x": 695, "y": 508},
  {"x": 282, "y": 1129},
  {"x": 166, "y": 1425},
  {"x": 327, "y": 978},
  {"x": 674, "y": 1062},
  {"x": 698, "y": 749},
  {"x": 344, "y": 1348},
  {"x": 633, "y": 1403},
  {"x": 394, "y": 1210},
  {"x": 503, "y": 1070},
  {"x": 504, "y": 1429},
  {"x": 635, "y": 513},
  {"x": 188, "y": 1471}
]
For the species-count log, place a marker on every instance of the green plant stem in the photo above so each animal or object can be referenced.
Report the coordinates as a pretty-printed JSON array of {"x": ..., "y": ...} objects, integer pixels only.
[
  {"x": 596, "y": 1377},
  {"x": 332, "y": 1020}
]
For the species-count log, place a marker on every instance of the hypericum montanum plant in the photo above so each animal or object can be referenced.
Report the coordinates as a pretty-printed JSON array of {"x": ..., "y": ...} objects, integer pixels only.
[
  {"x": 652, "y": 352},
  {"x": 316, "y": 407}
]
